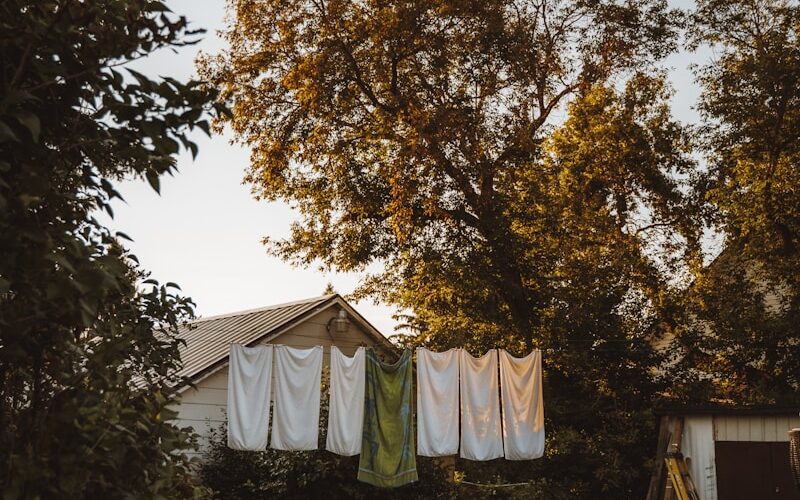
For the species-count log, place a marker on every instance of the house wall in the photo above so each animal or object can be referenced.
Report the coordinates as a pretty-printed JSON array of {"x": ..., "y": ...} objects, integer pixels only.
[
  {"x": 203, "y": 407},
  {"x": 697, "y": 445},
  {"x": 754, "y": 428}
]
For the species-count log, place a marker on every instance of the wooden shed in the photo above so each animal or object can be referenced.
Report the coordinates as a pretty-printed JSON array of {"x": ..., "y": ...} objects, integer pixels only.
[
  {"x": 732, "y": 452},
  {"x": 327, "y": 320}
]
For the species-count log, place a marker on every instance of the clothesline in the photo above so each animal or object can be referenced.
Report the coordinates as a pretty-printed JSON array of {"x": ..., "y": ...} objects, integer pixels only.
[
  {"x": 344, "y": 344},
  {"x": 543, "y": 349},
  {"x": 459, "y": 399},
  {"x": 347, "y": 343},
  {"x": 503, "y": 485},
  {"x": 317, "y": 337}
]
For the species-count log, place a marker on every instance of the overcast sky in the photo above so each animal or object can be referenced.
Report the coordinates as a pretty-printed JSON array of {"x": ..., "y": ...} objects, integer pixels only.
[{"x": 204, "y": 230}]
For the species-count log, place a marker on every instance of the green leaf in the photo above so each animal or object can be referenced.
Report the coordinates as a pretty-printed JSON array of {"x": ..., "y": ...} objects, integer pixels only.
[
  {"x": 62, "y": 261},
  {"x": 152, "y": 128},
  {"x": 28, "y": 199},
  {"x": 157, "y": 7},
  {"x": 203, "y": 125},
  {"x": 152, "y": 178},
  {"x": 6, "y": 134},
  {"x": 120, "y": 234},
  {"x": 166, "y": 145},
  {"x": 31, "y": 122},
  {"x": 145, "y": 82}
]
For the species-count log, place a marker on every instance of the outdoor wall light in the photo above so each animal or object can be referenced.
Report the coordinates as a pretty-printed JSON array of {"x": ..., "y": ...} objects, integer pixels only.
[{"x": 339, "y": 324}]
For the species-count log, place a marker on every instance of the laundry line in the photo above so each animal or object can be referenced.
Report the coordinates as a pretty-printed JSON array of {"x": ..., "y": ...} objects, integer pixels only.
[
  {"x": 561, "y": 341},
  {"x": 544, "y": 350},
  {"x": 452, "y": 386},
  {"x": 347, "y": 343},
  {"x": 498, "y": 485}
]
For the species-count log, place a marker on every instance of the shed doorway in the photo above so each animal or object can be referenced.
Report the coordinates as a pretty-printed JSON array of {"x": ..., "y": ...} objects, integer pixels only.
[{"x": 748, "y": 470}]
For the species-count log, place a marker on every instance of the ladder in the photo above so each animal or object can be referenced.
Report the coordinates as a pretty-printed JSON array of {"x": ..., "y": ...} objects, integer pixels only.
[{"x": 678, "y": 472}]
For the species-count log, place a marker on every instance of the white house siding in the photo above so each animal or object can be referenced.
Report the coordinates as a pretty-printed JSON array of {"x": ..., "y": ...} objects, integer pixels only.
[
  {"x": 697, "y": 445},
  {"x": 203, "y": 407},
  {"x": 754, "y": 428}
]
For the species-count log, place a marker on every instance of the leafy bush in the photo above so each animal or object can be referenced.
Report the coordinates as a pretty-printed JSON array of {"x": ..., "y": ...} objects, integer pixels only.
[{"x": 85, "y": 374}]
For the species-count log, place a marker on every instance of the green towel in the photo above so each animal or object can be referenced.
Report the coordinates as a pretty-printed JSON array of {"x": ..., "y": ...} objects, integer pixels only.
[{"x": 388, "y": 458}]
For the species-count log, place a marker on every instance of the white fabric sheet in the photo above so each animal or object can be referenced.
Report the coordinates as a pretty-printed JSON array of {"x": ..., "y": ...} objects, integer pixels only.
[
  {"x": 697, "y": 445},
  {"x": 249, "y": 380},
  {"x": 481, "y": 435},
  {"x": 346, "y": 406},
  {"x": 437, "y": 402},
  {"x": 295, "y": 424},
  {"x": 523, "y": 407}
]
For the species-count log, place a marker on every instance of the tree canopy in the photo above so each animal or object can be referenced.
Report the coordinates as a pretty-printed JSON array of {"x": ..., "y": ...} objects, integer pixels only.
[
  {"x": 750, "y": 296},
  {"x": 403, "y": 132},
  {"x": 87, "y": 357},
  {"x": 513, "y": 166}
]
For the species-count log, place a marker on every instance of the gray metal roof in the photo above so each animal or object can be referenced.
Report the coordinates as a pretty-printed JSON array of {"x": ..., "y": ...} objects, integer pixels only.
[{"x": 208, "y": 339}]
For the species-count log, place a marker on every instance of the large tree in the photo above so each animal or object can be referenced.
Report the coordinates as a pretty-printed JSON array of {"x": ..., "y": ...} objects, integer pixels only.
[
  {"x": 513, "y": 167},
  {"x": 749, "y": 298},
  {"x": 84, "y": 371}
]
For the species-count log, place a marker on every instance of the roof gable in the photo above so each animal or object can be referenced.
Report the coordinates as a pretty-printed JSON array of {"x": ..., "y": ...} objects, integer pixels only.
[{"x": 208, "y": 339}]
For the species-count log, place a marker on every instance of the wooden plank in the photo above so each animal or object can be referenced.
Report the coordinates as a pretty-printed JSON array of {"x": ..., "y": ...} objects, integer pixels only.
[
  {"x": 206, "y": 395},
  {"x": 219, "y": 380},
  {"x": 756, "y": 425},
  {"x": 657, "y": 478},
  {"x": 720, "y": 427},
  {"x": 674, "y": 445},
  {"x": 201, "y": 427},
  {"x": 754, "y": 428},
  {"x": 202, "y": 411},
  {"x": 731, "y": 429},
  {"x": 770, "y": 429}
]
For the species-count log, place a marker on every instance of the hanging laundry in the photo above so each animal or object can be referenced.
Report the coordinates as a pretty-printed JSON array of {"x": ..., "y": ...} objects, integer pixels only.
[
  {"x": 387, "y": 449},
  {"x": 481, "y": 434},
  {"x": 297, "y": 394},
  {"x": 437, "y": 402},
  {"x": 523, "y": 408},
  {"x": 249, "y": 381},
  {"x": 346, "y": 403}
]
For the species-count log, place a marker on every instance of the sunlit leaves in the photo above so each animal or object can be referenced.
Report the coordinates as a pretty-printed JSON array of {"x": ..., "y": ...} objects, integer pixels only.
[
  {"x": 492, "y": 159},
  {"x": 749, "y": 297}
]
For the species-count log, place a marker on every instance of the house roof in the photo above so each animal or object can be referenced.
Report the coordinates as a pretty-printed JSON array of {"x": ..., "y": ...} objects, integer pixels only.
[{"x": 208, "y": 339}]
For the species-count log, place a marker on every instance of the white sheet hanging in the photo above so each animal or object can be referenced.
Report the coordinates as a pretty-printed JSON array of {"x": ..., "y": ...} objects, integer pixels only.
[
  {"x": 481, "y": 437},
  {"x": 523, "y": 407},
  {"x": 346, "y": 406},
  {"x": 249, "y": 381},
  {"x": 295, "y": 425},
  {"x": 437, "y": 402}
]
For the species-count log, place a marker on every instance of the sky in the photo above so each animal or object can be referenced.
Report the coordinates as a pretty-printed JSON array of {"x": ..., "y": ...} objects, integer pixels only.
[{"x": 204, "y": 230}]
